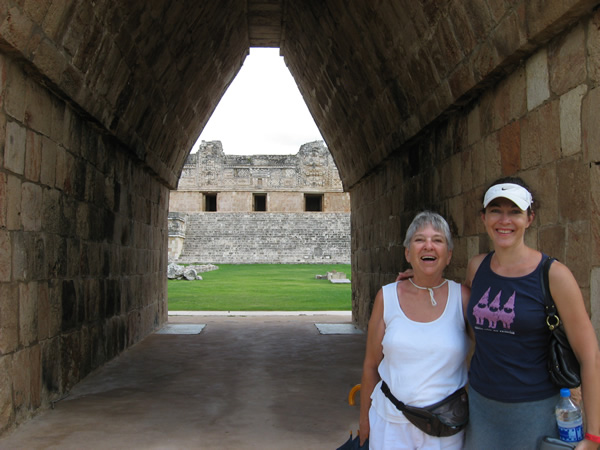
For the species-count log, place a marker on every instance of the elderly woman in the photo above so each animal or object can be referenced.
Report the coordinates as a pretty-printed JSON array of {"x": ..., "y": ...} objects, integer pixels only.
[{"x": 419, "y": 326}]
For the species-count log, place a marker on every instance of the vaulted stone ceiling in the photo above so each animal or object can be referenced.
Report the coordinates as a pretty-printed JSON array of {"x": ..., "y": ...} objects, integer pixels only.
[
  {"x": 265, "y": 19},
  {"x": 373, "y": 73}
]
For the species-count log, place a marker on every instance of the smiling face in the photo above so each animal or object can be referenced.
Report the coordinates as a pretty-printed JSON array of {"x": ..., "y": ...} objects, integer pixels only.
[
  {"x": 428, "y": 251},
  {"x": 506, "y": 223}
]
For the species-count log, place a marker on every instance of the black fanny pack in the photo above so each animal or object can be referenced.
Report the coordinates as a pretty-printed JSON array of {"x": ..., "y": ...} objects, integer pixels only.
[{"x": 444, "y": 418}]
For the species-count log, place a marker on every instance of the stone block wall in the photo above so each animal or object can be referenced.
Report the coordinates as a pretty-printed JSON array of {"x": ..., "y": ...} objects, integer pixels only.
[
  {"x": 294, "y": 202},
  {"x": 284, "y": 233},
  {"x": 177, "y": 229},
  {"x": 192, "y": 202},
  {"x": 189, "y": 201},
  {"x": 210, "y": 169},
  {"x": 83, "y": 245},
  {"x": 268, "y": 238},
  {"x": 539, "y": 122},
  {"x": 233, "y": 201}
]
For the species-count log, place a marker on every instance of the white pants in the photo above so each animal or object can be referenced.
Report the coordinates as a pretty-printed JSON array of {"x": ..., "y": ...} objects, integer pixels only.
[{"x": 386, "y": 435}]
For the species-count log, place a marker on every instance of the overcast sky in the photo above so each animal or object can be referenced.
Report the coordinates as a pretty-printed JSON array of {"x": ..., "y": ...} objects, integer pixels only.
[{"x": 262, "y": 111}]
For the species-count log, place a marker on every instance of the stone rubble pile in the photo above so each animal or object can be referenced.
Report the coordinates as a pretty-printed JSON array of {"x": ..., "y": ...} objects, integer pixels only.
[
  {"x": 334, "y": 277},
  {"x": 178, "y": 272}
]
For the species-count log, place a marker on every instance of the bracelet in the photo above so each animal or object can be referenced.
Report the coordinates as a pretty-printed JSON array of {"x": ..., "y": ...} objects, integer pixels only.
[{"x": 593, "y": 438}]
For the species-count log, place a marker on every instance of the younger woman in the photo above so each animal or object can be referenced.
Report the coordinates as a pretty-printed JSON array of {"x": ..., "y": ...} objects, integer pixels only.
[{"x": 511, "y": 397}]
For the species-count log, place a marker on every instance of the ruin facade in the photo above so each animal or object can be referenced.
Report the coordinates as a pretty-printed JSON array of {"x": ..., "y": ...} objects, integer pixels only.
[{"x": 287, "y": 208}]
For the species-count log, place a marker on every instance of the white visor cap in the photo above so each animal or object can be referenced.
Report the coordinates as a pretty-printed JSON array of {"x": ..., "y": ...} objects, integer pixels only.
[{"x": 513, "y": 192}]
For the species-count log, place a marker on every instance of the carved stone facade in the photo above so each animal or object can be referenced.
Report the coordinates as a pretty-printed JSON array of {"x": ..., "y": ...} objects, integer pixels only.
[
  {"x": 210, "y": 168},
  {"x": 260, "y": 208}
]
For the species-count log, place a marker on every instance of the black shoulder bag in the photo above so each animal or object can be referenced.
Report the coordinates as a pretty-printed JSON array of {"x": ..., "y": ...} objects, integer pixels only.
[
  {"x": 562, "y": 362},
  {"x": 444, "y": 418}
]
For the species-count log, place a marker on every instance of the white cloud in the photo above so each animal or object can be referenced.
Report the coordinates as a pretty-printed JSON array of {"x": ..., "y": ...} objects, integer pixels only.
[{"x": 262, "y": 112}]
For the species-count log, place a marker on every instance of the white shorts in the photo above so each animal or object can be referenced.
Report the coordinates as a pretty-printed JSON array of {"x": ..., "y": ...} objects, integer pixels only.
[{"x": 386, "y": 435}]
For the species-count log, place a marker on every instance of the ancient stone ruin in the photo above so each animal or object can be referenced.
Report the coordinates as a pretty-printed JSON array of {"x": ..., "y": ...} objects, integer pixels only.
[
  {"x": 259, "y": 208},
  {"x": 422, "y": 105},
  {"x": 190, "y": 273}
]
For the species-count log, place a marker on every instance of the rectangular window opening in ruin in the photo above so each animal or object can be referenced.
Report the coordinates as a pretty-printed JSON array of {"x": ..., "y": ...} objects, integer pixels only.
[
  {"x": 313, "y": 202},
  {"x": 210, "y": 202},
  {"x": 259, "y": 202}
]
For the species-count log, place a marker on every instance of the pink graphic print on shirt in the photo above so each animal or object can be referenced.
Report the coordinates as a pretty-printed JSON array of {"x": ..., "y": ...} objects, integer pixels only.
[
  {"x": 506, "y": 315},
  {"x": 493, "y": 312}
]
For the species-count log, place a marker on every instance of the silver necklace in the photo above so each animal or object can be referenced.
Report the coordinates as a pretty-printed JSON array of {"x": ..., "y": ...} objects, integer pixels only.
[{"x": 430, "y": 289}]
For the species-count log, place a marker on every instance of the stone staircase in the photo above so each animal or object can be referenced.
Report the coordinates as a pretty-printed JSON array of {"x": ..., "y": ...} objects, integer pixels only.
[{"x": 278, "y": 238}]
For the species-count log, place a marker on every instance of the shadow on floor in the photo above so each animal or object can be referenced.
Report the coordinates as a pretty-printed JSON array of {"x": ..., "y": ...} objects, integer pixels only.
[{"x": 260, "y": 382}]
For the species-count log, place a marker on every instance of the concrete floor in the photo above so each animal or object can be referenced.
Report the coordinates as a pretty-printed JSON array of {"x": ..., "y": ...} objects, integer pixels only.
[{"x": 257, "y": 382}]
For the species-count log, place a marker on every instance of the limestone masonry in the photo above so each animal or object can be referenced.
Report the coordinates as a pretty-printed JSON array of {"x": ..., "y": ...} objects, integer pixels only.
[
  {"x": 260, "y": 208},
  {"x": 422, "y": 105}
]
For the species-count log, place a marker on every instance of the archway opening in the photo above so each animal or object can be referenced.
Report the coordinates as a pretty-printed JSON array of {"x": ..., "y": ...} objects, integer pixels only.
[{"x": 260, "y": 188}]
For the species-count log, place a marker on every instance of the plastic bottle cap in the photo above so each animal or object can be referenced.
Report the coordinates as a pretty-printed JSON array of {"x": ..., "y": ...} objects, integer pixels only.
[{"x": 564, "y": 392}]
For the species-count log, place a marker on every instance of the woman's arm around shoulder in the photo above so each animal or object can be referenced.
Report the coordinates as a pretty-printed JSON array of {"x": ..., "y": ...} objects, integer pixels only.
[
  {"x": 373, "y": 356},
  {"x": 465, "y": 294},
  {"x": 582, "y": 337}
]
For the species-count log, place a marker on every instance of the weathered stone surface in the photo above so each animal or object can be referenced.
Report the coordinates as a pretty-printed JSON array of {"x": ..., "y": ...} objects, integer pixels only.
[
  {"x": 174, "y": 271},
  {"x": 552, "y": 239},
  {"x": 538, "y": 88},
  {"x": 48, "y": 163},
  {"x": 3, "y": 200},
  {"x": 593, "y": 45},
  {"x": 13, "y": 203},
  {"x": 595, "y": 293},
  {"x": 14, "y": 148},
  {"x": 9, "y": 318},
  {"x": 283, "y": 181},
  {"x": 211, "y": 170},
  {"x": 190, "y": 274},
  {"x": 14, "y": 102},
  {"x": 510, "y": 148},
  {"x": 595, "y": 216},
  {"x": 573, "y": 187},
  {"x": 540, "y": 136},
  {"x": 28, "y": 314},
  {"x": 387, "y": 85},
  {"x": 543, "y": 181},
  {"x": 6, "y": 393},
  {"x": 560, "y": 184},
  {"x": 21, "y": 381},
  {"x": 33, "y": 156},
  {"x": 567, "y": 60},
  {"x": 5, "y": 256},
  {"x": 31, "y": 206},
  {"x": 510, "y": 101},
  {"x": 578, "y": 255},
  {"x": 570, "y": 120},
  {"x": 57, "y": 229},
  {"x": 268, "y": 238},
  {"x": 590, "y": 120}
]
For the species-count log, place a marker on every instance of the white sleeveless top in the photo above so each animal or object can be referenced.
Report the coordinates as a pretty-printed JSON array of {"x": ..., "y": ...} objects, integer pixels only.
[{"x": 422, "y": 362}]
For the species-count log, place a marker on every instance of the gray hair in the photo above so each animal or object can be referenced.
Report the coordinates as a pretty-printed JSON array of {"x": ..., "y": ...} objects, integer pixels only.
[{"x": 428, "y": 218}]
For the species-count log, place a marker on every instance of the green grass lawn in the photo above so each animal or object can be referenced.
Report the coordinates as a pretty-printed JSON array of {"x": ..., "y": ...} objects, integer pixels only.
[{"x": 262, "y": 287}]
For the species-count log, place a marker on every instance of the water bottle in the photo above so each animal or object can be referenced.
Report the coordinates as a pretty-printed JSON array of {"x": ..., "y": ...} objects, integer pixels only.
[{"x": 568, "y": 418}]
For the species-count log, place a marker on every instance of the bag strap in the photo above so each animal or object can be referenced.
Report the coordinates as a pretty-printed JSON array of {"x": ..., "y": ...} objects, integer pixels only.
[
  {"x": 551, "y": 313},
  {"x": 414, "y": 410},
  {"x": 397, "y": 403}
]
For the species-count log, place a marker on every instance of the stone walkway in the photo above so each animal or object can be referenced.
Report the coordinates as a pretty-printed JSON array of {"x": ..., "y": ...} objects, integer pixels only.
[{"x": 253, "y": 382}]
